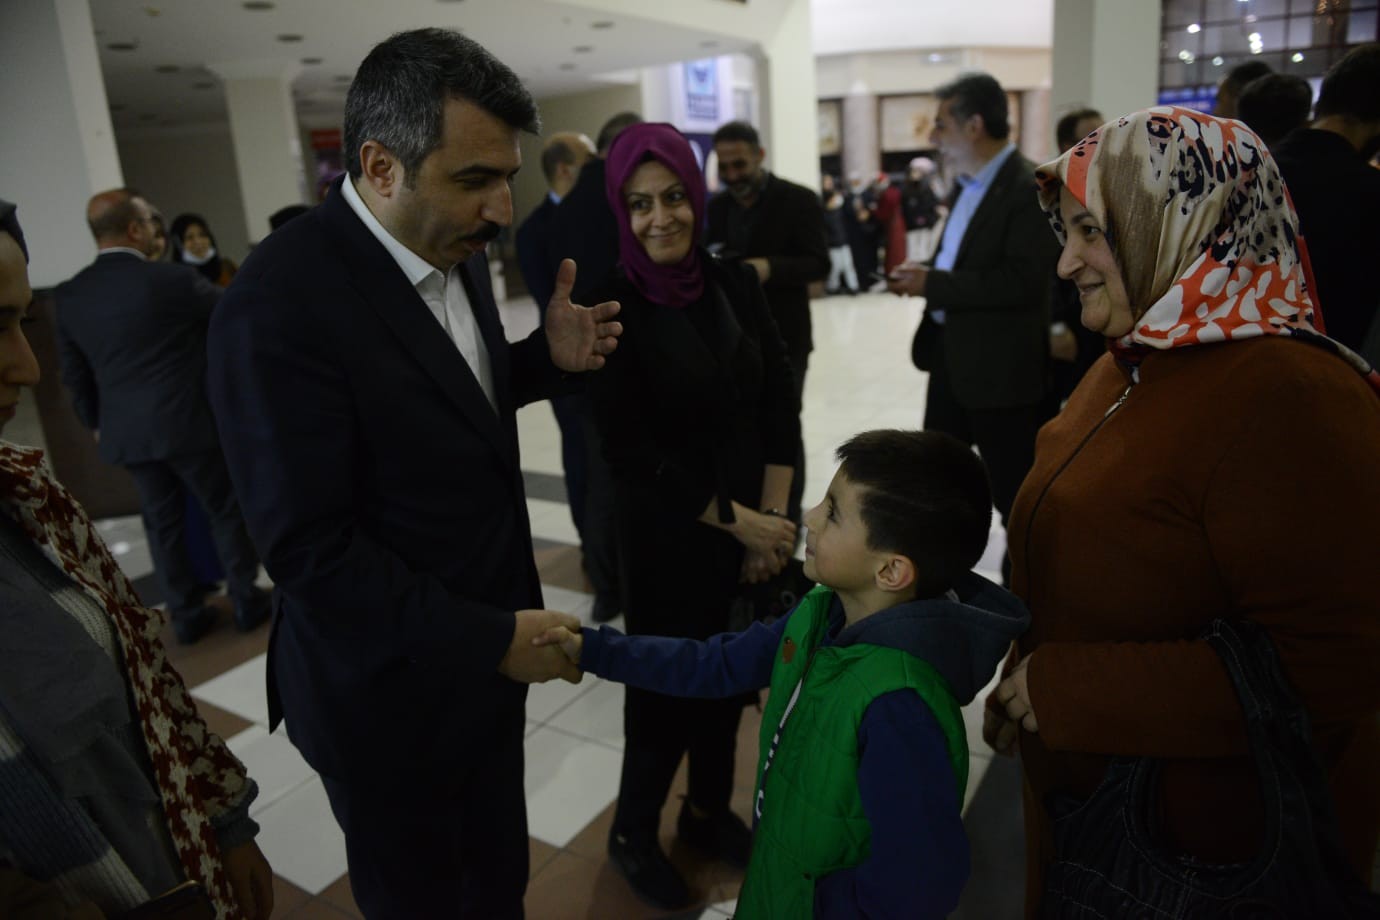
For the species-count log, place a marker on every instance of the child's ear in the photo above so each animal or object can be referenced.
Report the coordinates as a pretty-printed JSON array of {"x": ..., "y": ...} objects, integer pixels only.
[{"x": 896, "y": 574}]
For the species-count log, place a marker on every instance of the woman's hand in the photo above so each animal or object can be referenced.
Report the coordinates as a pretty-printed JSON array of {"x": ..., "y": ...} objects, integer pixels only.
[
  {"x": 250, "y": 879},
  {"x": 997, "y": 728},
  {"x": 758, "y": 568},
  {"x": 1013, "y": 694},
  {"x": 764, "y": 534}
]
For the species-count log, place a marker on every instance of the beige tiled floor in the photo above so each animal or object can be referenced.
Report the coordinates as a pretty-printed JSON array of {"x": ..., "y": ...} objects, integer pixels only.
[{"x": 860, "y": 377}]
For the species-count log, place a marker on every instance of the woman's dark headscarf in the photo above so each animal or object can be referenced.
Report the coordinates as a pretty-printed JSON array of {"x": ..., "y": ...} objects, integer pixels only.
[
  {"x": 183, "y": 222},
  {"x": 677, "y": 285}
]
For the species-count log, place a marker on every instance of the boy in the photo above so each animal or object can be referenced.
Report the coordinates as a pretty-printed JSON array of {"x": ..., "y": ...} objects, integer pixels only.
[{"x": 864, "y": 758}]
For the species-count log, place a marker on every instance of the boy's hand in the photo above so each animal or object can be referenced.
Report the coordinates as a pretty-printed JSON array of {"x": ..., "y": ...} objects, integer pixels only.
[{"x": 570, "y": 642}]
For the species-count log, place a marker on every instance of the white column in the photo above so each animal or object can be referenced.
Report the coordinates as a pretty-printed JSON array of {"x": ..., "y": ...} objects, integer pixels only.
[
  {"x": 789, "y": 122},
  {"x": 862, "y": 151},
  {"x": 59, "y": 146},
  {"x": 1106, "y": 55},
  {"x": 264, "y": 133}
]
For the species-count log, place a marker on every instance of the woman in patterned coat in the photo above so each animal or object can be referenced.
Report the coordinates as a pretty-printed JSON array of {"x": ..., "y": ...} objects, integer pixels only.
[
  {"x": 1220, "y": 461},
  {"x": 112, "y": 790}
]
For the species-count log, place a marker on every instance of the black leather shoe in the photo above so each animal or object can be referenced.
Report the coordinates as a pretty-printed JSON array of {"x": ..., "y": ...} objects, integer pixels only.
[
  {"x": 649, "y": 872},
  {"x": 250, "y": 613},
  {"x": 606, "y": 607},
  {"x": 723, "y": 836},
  {"x": 191, "y": 626}
]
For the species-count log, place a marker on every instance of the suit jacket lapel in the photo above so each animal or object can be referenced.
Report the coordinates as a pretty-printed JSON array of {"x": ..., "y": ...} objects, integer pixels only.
[
  {"x": 992, "y": 203},
  {"x": 386, "y": 289},
  {"x": 475, "y": 274}
]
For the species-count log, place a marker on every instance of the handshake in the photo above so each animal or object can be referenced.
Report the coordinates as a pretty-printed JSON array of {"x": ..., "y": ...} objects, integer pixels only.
[{"x": 546, "y": 644}]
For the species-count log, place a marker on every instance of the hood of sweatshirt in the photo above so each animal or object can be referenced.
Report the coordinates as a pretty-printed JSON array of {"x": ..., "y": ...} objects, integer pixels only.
[{"x": 964, "y": 635}]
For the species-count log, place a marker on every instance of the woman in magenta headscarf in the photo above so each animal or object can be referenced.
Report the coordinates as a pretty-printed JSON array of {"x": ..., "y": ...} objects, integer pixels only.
[{"x": 699, "y": 421}]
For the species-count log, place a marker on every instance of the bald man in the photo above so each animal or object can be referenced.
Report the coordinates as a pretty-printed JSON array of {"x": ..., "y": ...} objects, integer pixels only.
[{"x": 132, "y": 334}]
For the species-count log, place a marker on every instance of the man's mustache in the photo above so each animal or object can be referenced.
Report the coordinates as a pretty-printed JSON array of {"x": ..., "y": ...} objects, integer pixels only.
[{"x": 487, "y": 234}]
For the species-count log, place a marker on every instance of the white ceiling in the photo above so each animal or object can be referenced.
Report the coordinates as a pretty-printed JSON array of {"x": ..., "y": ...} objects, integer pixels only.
[{"x": 555, "y": 47}]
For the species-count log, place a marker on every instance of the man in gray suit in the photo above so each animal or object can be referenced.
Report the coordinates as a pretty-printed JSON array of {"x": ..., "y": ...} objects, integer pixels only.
[{"x": 132, "y": 335}]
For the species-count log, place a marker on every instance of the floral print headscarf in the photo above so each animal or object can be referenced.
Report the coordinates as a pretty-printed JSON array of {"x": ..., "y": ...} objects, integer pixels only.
[{"x": 1202, "y": 227}]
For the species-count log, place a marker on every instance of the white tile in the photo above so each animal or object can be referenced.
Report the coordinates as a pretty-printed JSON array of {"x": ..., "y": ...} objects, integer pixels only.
[
  {"x": 301, "y": 839},
  {"x": 545, "y": 700},
  {"x": 242, "y": 690},
  {"x": 551, "y": 521},
  {"x": 273, "y": 762},
  {"x": 577, "y": 602},
  {"x": 596, "y": 715},
  {"x": 569, "y": 781},
  {"x": 722, "y": 909}
]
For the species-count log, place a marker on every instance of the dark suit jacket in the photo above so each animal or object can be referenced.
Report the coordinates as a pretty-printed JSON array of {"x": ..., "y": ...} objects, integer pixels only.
[
  {"x": 533, "y": 251},
  {"x": 787, "y": 230},
  {"x": 994, "y": 344},
  {"x": 384, "y": 495},
  {"x": 132, "y": 336},
  {"x": 1337, "y": 195},
  {"x": 584, "y": 229}
]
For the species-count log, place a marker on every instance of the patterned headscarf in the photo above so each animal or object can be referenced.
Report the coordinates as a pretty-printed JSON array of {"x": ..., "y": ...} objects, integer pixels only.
[
  {"x": 676, "y": 285},
  {"x": 1202, "y": 228}
]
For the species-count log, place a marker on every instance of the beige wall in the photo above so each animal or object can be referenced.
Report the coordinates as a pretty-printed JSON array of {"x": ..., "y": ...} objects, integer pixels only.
[{"x": 190, "y": 171}]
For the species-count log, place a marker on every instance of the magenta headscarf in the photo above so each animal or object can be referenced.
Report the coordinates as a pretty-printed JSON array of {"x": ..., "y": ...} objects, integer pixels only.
[{"x": 676, "y": 285}]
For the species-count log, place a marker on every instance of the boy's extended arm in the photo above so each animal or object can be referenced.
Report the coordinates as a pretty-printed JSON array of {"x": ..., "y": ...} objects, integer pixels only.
[
  {"x": 918, "y": 862},
  {"x": 721, "y": 666}
]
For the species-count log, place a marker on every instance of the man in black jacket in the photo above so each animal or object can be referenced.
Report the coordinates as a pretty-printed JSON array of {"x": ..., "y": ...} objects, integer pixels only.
[
  {"x": 984, "y": 337},
  {"x": 132, "y": 335},
  {"x": 1337, "y": 193}
]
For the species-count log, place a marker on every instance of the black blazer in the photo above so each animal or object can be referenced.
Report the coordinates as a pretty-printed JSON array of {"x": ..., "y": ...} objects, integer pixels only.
[
  {"x": 788, "y": 230},
  {"x": 132, "y": 338},
  {"x": 533, "y": 243},
  {"x": 384, "y": 495},
  {"x": 994, "y": 344},
  {"x": 584, "y": 228},
  {"x": 692, "y": 406}
]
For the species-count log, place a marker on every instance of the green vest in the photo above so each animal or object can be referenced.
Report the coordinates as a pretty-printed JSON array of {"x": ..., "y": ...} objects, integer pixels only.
[{"x": 811, "y": 820}]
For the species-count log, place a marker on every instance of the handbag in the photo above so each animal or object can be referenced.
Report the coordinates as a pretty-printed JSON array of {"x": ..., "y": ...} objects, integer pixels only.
[{"x": 1107, "y": 864}]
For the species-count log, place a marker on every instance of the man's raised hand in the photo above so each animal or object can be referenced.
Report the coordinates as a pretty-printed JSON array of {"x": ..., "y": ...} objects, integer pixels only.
[{"x": 579, "y": 337}]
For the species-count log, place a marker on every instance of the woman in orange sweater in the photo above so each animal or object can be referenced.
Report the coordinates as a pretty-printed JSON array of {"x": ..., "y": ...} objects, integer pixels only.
[{"x": 1220, "y": 461}]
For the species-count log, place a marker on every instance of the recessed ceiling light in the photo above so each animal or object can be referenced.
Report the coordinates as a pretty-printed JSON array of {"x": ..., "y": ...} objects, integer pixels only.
[
  {"x": 709, "y": 43},
  {"x": 153, "y": 11},
  {"x": 1297, "y": 58},
  {"x": 258, "y": 5},
  {"x": 289, "y": 38},
  {"x": 166, "y": 68},
  {"x": 311, "y": 61},
  {"x": 122, "y": 46},
  {"x": 567, "y": 66},
  {"x": 583, "y": 49},
  {"x": 204, "y": 84},
  {"x": 1194, "y": 28},
  {"x": 343, "y": 78},
  {"x": 601, "y": 24}
]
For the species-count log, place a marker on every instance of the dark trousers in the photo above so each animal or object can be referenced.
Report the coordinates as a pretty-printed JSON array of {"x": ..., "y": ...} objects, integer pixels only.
[
  {"x": 599, "y": 538},
  {"x": 1005, "y": 437},
  {"x": 799, "y": 357},
  {"x": 161, "y": 491},
  {"x": 570, "y": 413},
  {"x": 658, "y": 731},
  {"x": 460, "y": 851}
]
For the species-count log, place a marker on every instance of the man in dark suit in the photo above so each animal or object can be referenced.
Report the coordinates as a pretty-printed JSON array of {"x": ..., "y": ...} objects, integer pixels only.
[
  {"x": 777, "y": 228},
  {"x": 1337, "y": 193},
  {"x": 583, "y": 228},
  {"x": 367, "y": 398},
  {"x": 561, "y": 160},
  {"x": 133, "y": 342},
  {"x": 984, "y": 337}
]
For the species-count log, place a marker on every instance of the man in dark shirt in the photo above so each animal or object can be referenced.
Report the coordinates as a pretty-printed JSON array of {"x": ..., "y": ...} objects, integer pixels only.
[{"x": 1337, "y": 193}]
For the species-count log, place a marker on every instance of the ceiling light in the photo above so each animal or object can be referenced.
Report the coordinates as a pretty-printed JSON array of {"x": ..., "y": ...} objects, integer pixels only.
[
  {"x": 312, "y": 61},
  {"x": 1297, "y": 58},
  {"x": 583, "y": 49},
  {"x": 709, "y": 43},
  {"x": 935, "y": 58},
  {"x": 601, "y": 24},
  {"x": 204, "y": 84},
  {"x": 258, "y": 5},
  {"x": 1256, "y": 49},
  {"x": 289, "y": 38},
  {"x": 1217, "y": 61},
  {"x": 567, "y": 66},
  {"x": 1194, "y": 29},
  {"x": 1254, "y": 37},
  {"x": 122, "y": 46}
]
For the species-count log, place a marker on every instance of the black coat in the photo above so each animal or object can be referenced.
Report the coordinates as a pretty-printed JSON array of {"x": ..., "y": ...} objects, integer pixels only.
[
  {"x": 1338, "y": 199},
  {"x": 385, "y": 496},
  {"x": 583, "y": 228},
  {"x": 994, "y": 344},
  {"x": 533, "y": 244},
  {"x": 692, "y": 406},
  {"x": 132, "y": 335},
  {"x": 787, "y": 230}
]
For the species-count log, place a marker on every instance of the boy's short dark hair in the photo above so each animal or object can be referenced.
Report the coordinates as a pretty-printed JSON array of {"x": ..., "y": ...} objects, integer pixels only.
[
  {"x": 1275, "y": 105},
  {"x": 979, "y": 94},
  {"x": 738, "y": 131},
  {"x": 1352, "y": 86},
  {"x": 925, "y": 495}
]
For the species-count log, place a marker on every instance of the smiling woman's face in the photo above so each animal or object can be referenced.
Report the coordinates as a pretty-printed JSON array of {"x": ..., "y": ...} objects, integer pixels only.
[
  {"x": 1088, "y": 261},
  {"x": 660, "y": 213},
  {"x": 18, "y": 368}
]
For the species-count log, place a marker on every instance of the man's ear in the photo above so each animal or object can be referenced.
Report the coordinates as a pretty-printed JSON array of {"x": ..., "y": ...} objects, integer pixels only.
[
  {"x": 897, "y": 573},
  {"x": 379, "y": 169}
]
